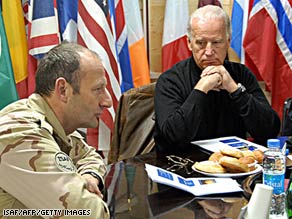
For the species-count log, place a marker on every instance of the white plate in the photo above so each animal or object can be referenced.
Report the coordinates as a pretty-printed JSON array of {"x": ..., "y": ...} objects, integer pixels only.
[{"x": 257, "y": 169}]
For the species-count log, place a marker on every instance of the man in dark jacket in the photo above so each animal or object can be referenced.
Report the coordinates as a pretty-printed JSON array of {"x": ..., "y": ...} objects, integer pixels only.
[{"x": 207, "y": 96}]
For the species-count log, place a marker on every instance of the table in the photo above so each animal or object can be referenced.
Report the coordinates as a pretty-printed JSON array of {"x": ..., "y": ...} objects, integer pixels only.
[{"x": 131, "y": 194}]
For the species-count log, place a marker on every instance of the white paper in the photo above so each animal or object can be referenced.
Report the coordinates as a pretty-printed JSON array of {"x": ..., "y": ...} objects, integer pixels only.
[
  {"x": 197, "y": 186},
  {"x": 214, "y": 145}
]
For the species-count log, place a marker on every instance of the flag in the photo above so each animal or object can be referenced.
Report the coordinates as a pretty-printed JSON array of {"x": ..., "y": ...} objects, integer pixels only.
[
  {"x": 121, "y": 37},
  {"x": 209, "y": 2},
  {"x": 44, "y": 30},
  {"x": 137, "y": 48},
  {"x": 268, "y": 47},
  {"x": 7, "y": 83},
  {"x": 25, "y": 6},
  {"x": 95, "y": 33},
  {"x": 16, "y": 37},
  {"x": 42, "y": 33},
  {"x": 32, "y": 62},
  {"x": 239, "y": 19},
  {"x": 67, "y": 13},
  {"x": 174, "y": 41}
]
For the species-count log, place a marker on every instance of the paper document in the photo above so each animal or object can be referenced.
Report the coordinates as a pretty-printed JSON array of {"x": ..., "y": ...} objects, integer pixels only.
[
  {"x": 214, "y": 145},
  {"x": 196, "y": 186}
]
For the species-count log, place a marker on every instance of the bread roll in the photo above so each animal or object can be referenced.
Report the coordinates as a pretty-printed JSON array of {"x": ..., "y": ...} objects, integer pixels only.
[
  {"x": 231, "y": 152},
  {"x": 215, "y": 156},
  {"x": 259, "y": 155},
  {"x": 250, "y": 161},
  {"x": 209, "y": 167},
  {"x": 232, "y": 165},
  {"x": 248, "y": 153}
]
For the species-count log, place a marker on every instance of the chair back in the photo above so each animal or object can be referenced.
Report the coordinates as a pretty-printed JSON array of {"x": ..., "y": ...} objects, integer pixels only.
[
  {"x": 286, "y": 129},
  {"x": 134, "y": 124}
]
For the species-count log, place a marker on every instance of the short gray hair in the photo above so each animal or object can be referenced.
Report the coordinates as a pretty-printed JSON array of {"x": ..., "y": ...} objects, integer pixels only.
[
  {"x": 61, "y": 61},
  {"x": 209, "y": 12}
]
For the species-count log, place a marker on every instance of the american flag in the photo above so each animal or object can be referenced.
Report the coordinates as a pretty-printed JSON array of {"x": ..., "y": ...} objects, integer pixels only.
[{"x": 95, "y": 33}]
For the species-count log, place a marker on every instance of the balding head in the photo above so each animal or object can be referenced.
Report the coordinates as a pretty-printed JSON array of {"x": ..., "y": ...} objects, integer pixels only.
[
  {"x": 61, "y": 61},
  {"x": 209, "y": 12}
]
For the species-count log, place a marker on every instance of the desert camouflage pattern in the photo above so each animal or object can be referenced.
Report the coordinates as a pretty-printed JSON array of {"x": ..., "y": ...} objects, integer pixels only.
[{"x": 41, "y": 167}]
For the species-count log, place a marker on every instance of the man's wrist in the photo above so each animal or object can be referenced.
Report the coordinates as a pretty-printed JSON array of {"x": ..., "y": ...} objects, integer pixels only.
[
  {"x": 100, "y": 184},
  {"x": 202, "y": 86},
  {"x": 240, "y": 89}
]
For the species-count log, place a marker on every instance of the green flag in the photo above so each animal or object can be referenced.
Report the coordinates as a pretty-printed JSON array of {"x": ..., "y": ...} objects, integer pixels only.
[{"x": 8, "y": 92}]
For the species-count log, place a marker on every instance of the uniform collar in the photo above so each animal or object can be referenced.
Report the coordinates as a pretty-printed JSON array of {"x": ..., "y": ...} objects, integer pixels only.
[{"x": 39, "y": 104}]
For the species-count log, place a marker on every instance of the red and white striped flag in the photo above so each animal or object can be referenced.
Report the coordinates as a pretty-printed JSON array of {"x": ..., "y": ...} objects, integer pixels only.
[
  {"x": 174, "y": 42},
  {"x": 95, "y": 33}
]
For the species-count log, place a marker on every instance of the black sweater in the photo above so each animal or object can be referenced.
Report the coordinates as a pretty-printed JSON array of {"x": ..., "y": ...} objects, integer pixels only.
[{"x": 184, "y": 114}]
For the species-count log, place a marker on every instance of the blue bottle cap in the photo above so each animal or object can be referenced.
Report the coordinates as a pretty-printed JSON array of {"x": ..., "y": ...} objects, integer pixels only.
[{"x": 273, "y": 143}]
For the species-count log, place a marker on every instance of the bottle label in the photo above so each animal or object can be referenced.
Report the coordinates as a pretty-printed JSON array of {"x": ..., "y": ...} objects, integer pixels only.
[{"x": 276, "y": 181}]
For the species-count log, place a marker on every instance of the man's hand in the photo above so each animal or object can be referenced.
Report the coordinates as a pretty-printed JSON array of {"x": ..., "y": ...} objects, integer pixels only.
[
  {"x": 92, "y": 184},
  {"x": 227, "y": 81},
  {"x": 209, "y": 82}
]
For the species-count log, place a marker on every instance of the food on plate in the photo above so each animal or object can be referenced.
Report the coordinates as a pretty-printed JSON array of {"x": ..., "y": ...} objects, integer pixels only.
[
  {"x": 215, "y": 156},
  {"x": 250, "y": 161},
  {"x": 259, "y": 155},
  {"x": 209, "y": 167},
  {"x": 233, "y": 165},
  {"x": 231, "y": 152},
  {"x": 230, "y": 160},
  {"x": 248, "y": 153}
]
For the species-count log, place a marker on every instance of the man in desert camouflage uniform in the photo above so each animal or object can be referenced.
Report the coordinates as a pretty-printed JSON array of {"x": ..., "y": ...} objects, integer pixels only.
[{"x": 44, "y": 161}]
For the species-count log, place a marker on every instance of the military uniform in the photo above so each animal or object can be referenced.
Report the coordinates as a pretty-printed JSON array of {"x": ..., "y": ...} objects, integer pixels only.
[{"x": 41, "y": 167}]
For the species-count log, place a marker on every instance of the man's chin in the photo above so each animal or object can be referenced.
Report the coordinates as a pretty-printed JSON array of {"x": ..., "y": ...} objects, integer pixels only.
[{"x": 205, "y": 64}]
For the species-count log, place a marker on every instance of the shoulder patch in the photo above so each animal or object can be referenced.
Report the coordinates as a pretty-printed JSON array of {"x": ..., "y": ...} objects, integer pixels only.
[{"x": 64, "y": 162}]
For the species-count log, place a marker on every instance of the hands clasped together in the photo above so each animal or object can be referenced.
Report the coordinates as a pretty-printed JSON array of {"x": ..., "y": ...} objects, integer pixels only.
[{"x": 216, "y": 78}]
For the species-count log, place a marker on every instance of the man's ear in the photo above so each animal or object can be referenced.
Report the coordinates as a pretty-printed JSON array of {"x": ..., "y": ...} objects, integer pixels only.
[
  {"x": 61, "y": 88},
  {"x": 189, "y": 43}
]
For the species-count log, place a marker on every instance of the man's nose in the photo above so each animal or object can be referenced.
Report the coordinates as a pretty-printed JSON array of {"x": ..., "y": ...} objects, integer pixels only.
[
  {"x": 209, "y": 48},
  {"x": 106, "y": 100}
]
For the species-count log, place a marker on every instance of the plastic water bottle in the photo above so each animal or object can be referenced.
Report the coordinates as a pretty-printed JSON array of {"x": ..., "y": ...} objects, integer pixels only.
[{"x": 274, "y": 175}]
